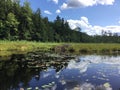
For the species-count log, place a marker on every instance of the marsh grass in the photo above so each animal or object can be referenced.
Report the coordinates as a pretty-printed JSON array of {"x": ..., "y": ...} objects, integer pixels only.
[
  {"x": 24, "y": 45},
  {"x": 10, "y": 47},
  {"x": 96, "y": 47},
  {"x": 77, "y": 48}
]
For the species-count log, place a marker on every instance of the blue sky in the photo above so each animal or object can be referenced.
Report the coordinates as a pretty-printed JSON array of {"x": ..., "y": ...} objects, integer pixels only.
[{"x": 92, "y": 16}]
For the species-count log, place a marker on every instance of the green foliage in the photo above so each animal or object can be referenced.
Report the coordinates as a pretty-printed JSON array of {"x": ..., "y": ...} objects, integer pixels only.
[
  {"x": 11, "y": 25},
  {"x": 21, "y": 23}
]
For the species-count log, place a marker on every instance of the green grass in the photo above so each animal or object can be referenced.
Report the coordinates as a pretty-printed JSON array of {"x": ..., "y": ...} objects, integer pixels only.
[
  {"x": 10, "y": 47},
  {"x": 96, "y": 47},
  {"x": 24, "y": 45}
]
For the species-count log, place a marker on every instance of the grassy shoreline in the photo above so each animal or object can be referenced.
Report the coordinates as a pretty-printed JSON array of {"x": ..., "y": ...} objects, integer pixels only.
[{"x": 77, "y": 48}]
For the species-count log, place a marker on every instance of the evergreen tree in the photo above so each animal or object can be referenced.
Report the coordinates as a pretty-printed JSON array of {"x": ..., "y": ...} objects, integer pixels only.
[{"x": 25, "y": 27}]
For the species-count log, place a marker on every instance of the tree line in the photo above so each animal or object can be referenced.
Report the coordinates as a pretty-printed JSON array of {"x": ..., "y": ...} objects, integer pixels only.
[{"x": 20, "y": 22}]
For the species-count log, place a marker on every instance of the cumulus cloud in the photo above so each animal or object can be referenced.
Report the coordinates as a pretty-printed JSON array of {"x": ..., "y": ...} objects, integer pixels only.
[
  {"x": 84, "y": 24},
  {"x": 55, "y": 1},
  {"x": 58, "y": 11},
  {"x": 64, "y": 6},
  {"x": 85, "y": 3},
  {"x": 47, "y": 12}
]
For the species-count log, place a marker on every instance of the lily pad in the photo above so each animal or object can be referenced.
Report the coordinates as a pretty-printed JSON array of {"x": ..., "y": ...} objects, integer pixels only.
[
  {"x": 53, "y": 82},
  {"x": 36, "y": 88},
  {"x": 106, "y": 85},
  {"x": 29, "y": 88}
]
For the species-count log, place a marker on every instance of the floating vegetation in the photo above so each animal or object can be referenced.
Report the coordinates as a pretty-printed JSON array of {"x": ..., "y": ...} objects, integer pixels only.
[
  {"x": 48, "y": 85},
  {"x": 36, "y": 88},
  {"x": 106, "y": 84},
  {"x": 29, "y": 88},
  {"x": 63, "y": 82}
]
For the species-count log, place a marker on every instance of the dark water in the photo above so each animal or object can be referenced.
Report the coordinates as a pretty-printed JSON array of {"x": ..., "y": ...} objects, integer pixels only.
[{"x": 87, "y": 72}]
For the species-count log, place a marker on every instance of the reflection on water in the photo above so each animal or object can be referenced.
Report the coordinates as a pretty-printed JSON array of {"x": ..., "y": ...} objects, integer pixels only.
[
  {"x": 85, "y": 61},
  {"x": 89, "y": 72}
]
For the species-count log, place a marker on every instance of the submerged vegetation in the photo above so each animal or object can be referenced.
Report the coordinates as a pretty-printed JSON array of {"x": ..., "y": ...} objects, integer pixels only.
[{"x": 77, "y": 48}]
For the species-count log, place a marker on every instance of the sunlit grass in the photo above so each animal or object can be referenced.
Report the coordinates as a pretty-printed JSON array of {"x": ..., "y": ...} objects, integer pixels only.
[
  {"x": 10, "y": 47},
  {"x": 27, "y": 46},
  {"x": 96, "y": 47},
  {"x": 24, "y": 45}
]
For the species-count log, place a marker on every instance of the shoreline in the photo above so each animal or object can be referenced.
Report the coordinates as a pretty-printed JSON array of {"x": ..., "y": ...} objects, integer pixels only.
[{"x": 13, "y": 47}]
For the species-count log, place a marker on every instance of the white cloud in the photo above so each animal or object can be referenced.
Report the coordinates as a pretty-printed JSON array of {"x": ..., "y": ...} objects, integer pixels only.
[
  {"x": 58, "y": 11},
  {"x": 84, "y": 24},
  {"x": 119, "y": 22},
  {"x": 64, "y": 6},
  {"x": 85, "y": 3},
  {"x": 55, "y": 1},
  {"x": 47, "y": 12}
]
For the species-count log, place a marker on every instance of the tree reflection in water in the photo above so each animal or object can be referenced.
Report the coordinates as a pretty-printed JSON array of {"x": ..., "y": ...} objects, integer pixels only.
[{"x": 19, "y": 70}]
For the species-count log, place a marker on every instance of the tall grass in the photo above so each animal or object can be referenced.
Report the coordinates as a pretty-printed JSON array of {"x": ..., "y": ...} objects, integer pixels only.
[
  {"x": 27, "y": 46},
  {"x": 24, "y": 45},
  {"x": 9, "y": 47},
  {"x": 96, "y": 47}
]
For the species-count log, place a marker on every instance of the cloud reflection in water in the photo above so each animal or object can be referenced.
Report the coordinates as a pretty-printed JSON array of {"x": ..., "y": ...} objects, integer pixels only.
[
  {"x": 85, "y": 61},
  {"x": 87, "y": 86}
]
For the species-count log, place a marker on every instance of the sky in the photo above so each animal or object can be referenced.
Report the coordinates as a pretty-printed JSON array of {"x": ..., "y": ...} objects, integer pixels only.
[{"x": 92, "y": 16}]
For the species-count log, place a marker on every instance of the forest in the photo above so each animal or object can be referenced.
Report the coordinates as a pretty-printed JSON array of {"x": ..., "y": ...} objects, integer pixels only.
[{"x": 20, "y": 22}]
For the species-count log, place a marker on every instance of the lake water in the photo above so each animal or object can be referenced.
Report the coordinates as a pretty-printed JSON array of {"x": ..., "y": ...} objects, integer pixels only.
[{"x": 85, "y": 72}]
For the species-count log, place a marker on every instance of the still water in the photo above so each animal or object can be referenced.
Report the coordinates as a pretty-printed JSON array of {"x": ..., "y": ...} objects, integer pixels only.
[{"x": 85, "y": 72}]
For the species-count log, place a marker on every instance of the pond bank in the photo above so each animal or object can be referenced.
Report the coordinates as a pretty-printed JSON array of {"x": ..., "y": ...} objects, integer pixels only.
[{"x": 10, "y": 47}]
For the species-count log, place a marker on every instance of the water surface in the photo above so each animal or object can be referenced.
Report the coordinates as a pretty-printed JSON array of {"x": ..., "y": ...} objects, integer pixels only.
[{"x": 86, "y": 72}]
